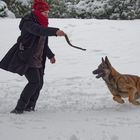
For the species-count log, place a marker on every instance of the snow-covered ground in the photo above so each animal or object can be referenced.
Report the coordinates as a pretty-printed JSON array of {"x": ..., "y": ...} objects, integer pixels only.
[{"x": 73, "y": 105}]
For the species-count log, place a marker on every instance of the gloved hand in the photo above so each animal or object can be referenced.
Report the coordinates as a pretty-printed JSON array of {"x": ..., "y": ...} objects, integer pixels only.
[{"x": 60, "y": 33}]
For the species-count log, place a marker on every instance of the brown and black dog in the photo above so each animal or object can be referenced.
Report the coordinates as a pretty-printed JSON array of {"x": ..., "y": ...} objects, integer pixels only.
[{"x": 120, "y": 85}]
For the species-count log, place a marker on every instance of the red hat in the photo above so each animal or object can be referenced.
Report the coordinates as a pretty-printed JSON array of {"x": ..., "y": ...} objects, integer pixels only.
[{"x": 40, "y": 5}]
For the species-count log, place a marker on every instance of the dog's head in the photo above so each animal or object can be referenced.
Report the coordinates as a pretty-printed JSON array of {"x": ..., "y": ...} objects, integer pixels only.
[{"x": 104, "y": 69}]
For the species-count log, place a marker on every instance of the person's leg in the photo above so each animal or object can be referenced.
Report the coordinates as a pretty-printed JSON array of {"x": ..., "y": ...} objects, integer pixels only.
[
  {"x": 33, "y": 77},
  {"x": 31, "y": 104}
]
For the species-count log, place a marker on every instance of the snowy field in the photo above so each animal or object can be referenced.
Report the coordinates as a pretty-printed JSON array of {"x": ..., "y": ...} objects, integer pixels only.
[{"x": 73, "y": 105}]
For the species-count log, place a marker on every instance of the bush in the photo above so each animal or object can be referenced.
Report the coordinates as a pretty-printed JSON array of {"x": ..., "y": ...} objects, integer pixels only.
[
  {"x": 4, "y": 12},
  {"x": 3, "y": 8},
  {"x": 19, "y": 7},
  {"x": 109, "y": 9},
  {"x": 100, "y": 9},
  {"x": 57, "y": 8}
]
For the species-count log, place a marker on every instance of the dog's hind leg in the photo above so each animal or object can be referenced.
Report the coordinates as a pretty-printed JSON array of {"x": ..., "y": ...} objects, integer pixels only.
[
  {"x": 118, "y": 99},
  {"x": 132, "y": 96},
  {"x": 137, "y": 96}
]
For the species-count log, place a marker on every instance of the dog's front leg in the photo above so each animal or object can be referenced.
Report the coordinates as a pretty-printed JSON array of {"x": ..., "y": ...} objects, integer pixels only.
[
  {"x": 116, "y": 96},
  {"x": 118, "y": 99}
]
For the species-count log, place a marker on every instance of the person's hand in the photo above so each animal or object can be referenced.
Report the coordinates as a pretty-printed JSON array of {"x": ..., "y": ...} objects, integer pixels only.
[
  {"x": 60, "y": 33},
  {"x": 52, "y": 60}
]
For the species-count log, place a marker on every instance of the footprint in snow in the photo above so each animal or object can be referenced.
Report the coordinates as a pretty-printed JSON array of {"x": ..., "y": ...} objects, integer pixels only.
[{"x": 74, "y": 137}]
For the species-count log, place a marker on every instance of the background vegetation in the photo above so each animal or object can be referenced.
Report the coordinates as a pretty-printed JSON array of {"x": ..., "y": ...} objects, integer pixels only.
[{"x": 100, "y": 9}]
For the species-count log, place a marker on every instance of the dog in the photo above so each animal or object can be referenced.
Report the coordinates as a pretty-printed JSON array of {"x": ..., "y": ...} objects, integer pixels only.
[{"x": 120, "y": 85}]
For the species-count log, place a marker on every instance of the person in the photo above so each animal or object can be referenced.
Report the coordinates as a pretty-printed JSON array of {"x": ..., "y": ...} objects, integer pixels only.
[{"x": 28, "y": 56}]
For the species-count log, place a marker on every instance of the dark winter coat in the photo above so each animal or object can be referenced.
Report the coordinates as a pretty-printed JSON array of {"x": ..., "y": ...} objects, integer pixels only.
[{"x": 18, "y": 57}]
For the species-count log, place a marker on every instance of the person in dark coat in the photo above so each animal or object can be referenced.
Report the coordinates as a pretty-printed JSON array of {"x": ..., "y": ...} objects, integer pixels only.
[{"x": 28, "y": 56}]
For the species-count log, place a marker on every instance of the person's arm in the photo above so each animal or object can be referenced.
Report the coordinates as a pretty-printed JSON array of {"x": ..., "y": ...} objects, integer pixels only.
[
  {"x": 49, "y": 53},
  {"x": 38, "y": 30}
]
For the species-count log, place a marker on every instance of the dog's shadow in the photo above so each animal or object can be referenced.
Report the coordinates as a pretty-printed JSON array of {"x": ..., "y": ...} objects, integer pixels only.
[
  {"x": 107, "y": 105},
  {"x": 126, "y": 107}
]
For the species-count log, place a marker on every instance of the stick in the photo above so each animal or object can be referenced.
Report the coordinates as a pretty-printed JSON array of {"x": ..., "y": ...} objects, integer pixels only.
[{"x": 68, "y": 41}]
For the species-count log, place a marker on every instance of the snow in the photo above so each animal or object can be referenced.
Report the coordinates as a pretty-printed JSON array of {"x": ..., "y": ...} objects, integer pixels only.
[{"x": 73, "y": 105}]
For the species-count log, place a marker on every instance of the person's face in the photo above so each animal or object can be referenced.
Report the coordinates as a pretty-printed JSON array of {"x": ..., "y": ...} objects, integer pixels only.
[{"x": 45, "y": 13}]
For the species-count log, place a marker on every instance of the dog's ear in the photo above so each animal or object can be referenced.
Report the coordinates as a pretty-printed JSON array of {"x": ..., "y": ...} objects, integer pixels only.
[
  {"x": 103, "y": 61},
  {"x": 107, "y": 61}
]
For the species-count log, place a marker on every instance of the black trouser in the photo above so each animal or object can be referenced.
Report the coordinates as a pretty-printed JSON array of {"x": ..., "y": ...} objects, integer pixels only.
[{"x": 31, "y": 91}]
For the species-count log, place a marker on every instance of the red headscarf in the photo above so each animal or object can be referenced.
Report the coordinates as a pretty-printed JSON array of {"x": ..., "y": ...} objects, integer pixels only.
[{"x": 41, "y": 6}]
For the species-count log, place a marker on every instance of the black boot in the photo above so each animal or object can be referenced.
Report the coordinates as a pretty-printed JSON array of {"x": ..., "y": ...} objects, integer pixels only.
[
  {"x": 15, "y": 111},
  {"x": 19, "y": 109},
  {"x": 30, "y": 106},
  {"x": 29, "y": 109}
]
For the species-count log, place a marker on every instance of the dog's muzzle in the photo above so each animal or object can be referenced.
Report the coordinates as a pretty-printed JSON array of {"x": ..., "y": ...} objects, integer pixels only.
[
  {"x": 94, "y": 72},
  {"x": 99, "y": 73}
]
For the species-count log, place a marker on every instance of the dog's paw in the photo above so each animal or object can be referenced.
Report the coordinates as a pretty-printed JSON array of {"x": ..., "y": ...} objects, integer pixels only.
[
  {"x": 119, "y": 100},
  {"x": 135, "y": 103}
]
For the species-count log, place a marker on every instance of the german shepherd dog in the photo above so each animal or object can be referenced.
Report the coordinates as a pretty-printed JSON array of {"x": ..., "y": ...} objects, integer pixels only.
[{"x": 120, "y": 85}]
